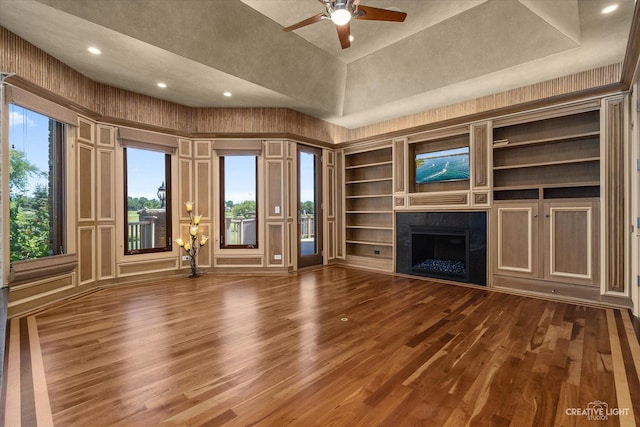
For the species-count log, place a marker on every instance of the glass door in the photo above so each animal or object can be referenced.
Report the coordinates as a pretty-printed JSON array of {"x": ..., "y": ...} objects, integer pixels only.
[{"x": 309, "y": 206}]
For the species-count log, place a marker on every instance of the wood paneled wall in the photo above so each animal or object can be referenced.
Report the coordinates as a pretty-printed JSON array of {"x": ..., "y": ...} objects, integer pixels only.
[
  {"x": 96, "y": 201},
  {"x": 85, "y": 215},
  {"x": 330, "y": 202},
  {"x": 574, "y": 83},
  {"x": 278, "y": 158},
  {"x": 111, "y": 104},
  {"x": 196, "y": 184}
]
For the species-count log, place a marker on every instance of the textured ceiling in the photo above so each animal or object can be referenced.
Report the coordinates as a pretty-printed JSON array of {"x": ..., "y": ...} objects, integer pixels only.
[{"x": 445, "y": 52}]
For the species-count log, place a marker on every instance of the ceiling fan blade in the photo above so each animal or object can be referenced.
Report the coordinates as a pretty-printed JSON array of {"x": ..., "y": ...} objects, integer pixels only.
[
  {"x": 306, "y": 22},
  {"x": 376, "y": 14},
  {"x": 344, "y": 31}
]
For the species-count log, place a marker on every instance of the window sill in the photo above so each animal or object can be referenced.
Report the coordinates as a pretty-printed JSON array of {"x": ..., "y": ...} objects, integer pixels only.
[{"x": 34, "y": 269}]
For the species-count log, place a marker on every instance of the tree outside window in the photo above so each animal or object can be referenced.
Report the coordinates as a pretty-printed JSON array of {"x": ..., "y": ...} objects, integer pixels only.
[{"x": 36, "y": 185}]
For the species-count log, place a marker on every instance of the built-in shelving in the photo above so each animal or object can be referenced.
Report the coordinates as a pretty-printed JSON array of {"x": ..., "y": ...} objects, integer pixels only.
[
  {"x": 369, "y": 208},
  {"x": 546, "y": 194},
  {"x": 560, "y": 152}
]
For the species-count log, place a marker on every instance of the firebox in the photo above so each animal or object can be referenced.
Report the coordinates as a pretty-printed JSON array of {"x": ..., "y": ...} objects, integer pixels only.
[
  {"x": 440, "y": 252},
  {"x": 443, "y": 245}
]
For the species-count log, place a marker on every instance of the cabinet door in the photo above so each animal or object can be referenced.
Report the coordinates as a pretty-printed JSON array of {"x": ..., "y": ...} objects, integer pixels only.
[
  {"x": 571, "y": 234},
  {"x": 517, "y": 239}
]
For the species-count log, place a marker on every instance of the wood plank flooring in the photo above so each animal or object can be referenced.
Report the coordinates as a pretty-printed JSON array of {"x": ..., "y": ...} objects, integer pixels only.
[{"x": 328, "y": 347}]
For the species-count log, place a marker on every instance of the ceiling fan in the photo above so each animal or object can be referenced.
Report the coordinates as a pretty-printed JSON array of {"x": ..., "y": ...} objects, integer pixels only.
[{"x": 342, "y": 11}]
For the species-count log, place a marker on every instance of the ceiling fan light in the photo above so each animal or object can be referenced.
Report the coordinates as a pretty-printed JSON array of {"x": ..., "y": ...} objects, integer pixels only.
[{"x": 340, "y": 16}]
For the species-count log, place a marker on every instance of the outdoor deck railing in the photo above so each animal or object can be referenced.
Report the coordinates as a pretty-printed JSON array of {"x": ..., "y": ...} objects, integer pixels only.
[{"x": 141, "y": 235}]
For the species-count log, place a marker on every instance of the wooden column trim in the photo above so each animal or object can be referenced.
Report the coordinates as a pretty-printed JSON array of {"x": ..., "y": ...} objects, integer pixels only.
[
  {"x": 614, "y": 195},
  {"x": 479, "y": 141}
]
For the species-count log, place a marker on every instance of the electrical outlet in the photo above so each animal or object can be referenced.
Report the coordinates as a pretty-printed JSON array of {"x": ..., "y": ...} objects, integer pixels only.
[
  {"x": 376, "y": 252},
  {"x": 277, "y": 257},
  {"x": 185, "y": 257},
  {"x": 276, "y": 210}
]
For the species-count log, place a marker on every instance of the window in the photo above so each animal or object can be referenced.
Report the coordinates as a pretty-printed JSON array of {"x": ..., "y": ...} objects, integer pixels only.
[
  {"x": 36, "y": 185},
  {"x": 239, "y": 201},
  {"x": 147, "y": 181}
]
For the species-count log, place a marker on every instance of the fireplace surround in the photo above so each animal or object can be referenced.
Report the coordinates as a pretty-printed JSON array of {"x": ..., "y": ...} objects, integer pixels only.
[{"x": 443, "y": 245}]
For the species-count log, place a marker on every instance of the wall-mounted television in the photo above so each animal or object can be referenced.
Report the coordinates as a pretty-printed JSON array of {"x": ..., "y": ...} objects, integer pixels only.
[{"x": 442, "y": 166}]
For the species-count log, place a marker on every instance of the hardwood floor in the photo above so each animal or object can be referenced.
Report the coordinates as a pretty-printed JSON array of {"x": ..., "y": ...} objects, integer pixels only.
[{"x": 332, "y": 346}]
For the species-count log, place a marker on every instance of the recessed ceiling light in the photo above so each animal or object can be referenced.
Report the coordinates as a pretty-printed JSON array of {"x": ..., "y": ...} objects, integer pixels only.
[
  {"x": 94, "y": 50},
  {"x": 162, "y": 85},
  {"x": 227, "y": 94},
  {"x": 610, "y": 8}
]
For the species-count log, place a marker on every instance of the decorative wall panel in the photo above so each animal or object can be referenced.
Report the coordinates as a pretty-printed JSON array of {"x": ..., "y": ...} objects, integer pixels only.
[
  {"x": 147, "y": 267},
  {"x": 204, "y": 256},
  {"x": 184, "y": 147},
  {"x": 480, "y": 155},
  {"x": 85, "y": 182},
  {"x": 85, "y": 130},
  {"x": 439, "y": 200},
  {"x": 185, "y": 186},
  {"x": 274, "y": 189},
  {"x": 106, "y": 195},
  {"x": 86, "y": 254},
  {"x": 106, "y": 136},
  {"x": 202, "y": 149},
  {"x": 481, "y": 199},
  {"x": 203, "y": 189},
  {"x": 106, "y": 251},
  {"x": 275, "y": 245},
  {"x": 273, "y": 149},
  {"x": 239, "y": 261}
]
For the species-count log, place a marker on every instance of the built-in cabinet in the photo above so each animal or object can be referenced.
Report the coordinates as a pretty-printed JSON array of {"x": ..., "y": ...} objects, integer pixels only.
[
  {"x": 546, "y": 211},
  {"x": 369, "y": 208},
  {"x": 554, "y": 240},
  {"x": 546, "y": 179}
]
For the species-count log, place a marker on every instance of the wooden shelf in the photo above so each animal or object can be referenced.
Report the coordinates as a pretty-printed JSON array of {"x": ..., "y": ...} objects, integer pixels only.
[
  {"x": 551, "y": 140},
  {"x": 369, "y": 196},
  {"x": 368, "y": 165},
  {"x": 371, "y": 243},
  {"x": 549, "y": 163},
  {"x": 369, "y": 211},
  {"x": 361, "y": 181},
  {"x": 543, "y": 186},
  {"x": 369, "y": 227}
]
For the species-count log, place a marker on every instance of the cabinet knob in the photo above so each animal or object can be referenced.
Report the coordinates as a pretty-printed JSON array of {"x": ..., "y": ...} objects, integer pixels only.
[
  {"x": 547, "y": 216},
  {"x": 535, "y": 215}
]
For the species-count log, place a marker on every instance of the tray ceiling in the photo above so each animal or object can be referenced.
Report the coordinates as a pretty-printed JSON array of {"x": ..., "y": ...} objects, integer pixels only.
[{"x": 445, "y": 51}]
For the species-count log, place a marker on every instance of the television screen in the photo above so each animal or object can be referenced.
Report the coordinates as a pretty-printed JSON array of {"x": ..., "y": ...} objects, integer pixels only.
[{"x": 442, "y": 166}]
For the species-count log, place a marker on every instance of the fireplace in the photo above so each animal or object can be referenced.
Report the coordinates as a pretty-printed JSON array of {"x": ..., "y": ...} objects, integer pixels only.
[
  {"x": 443, "y": 245},
  {"x": 441, "y": 252}
]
